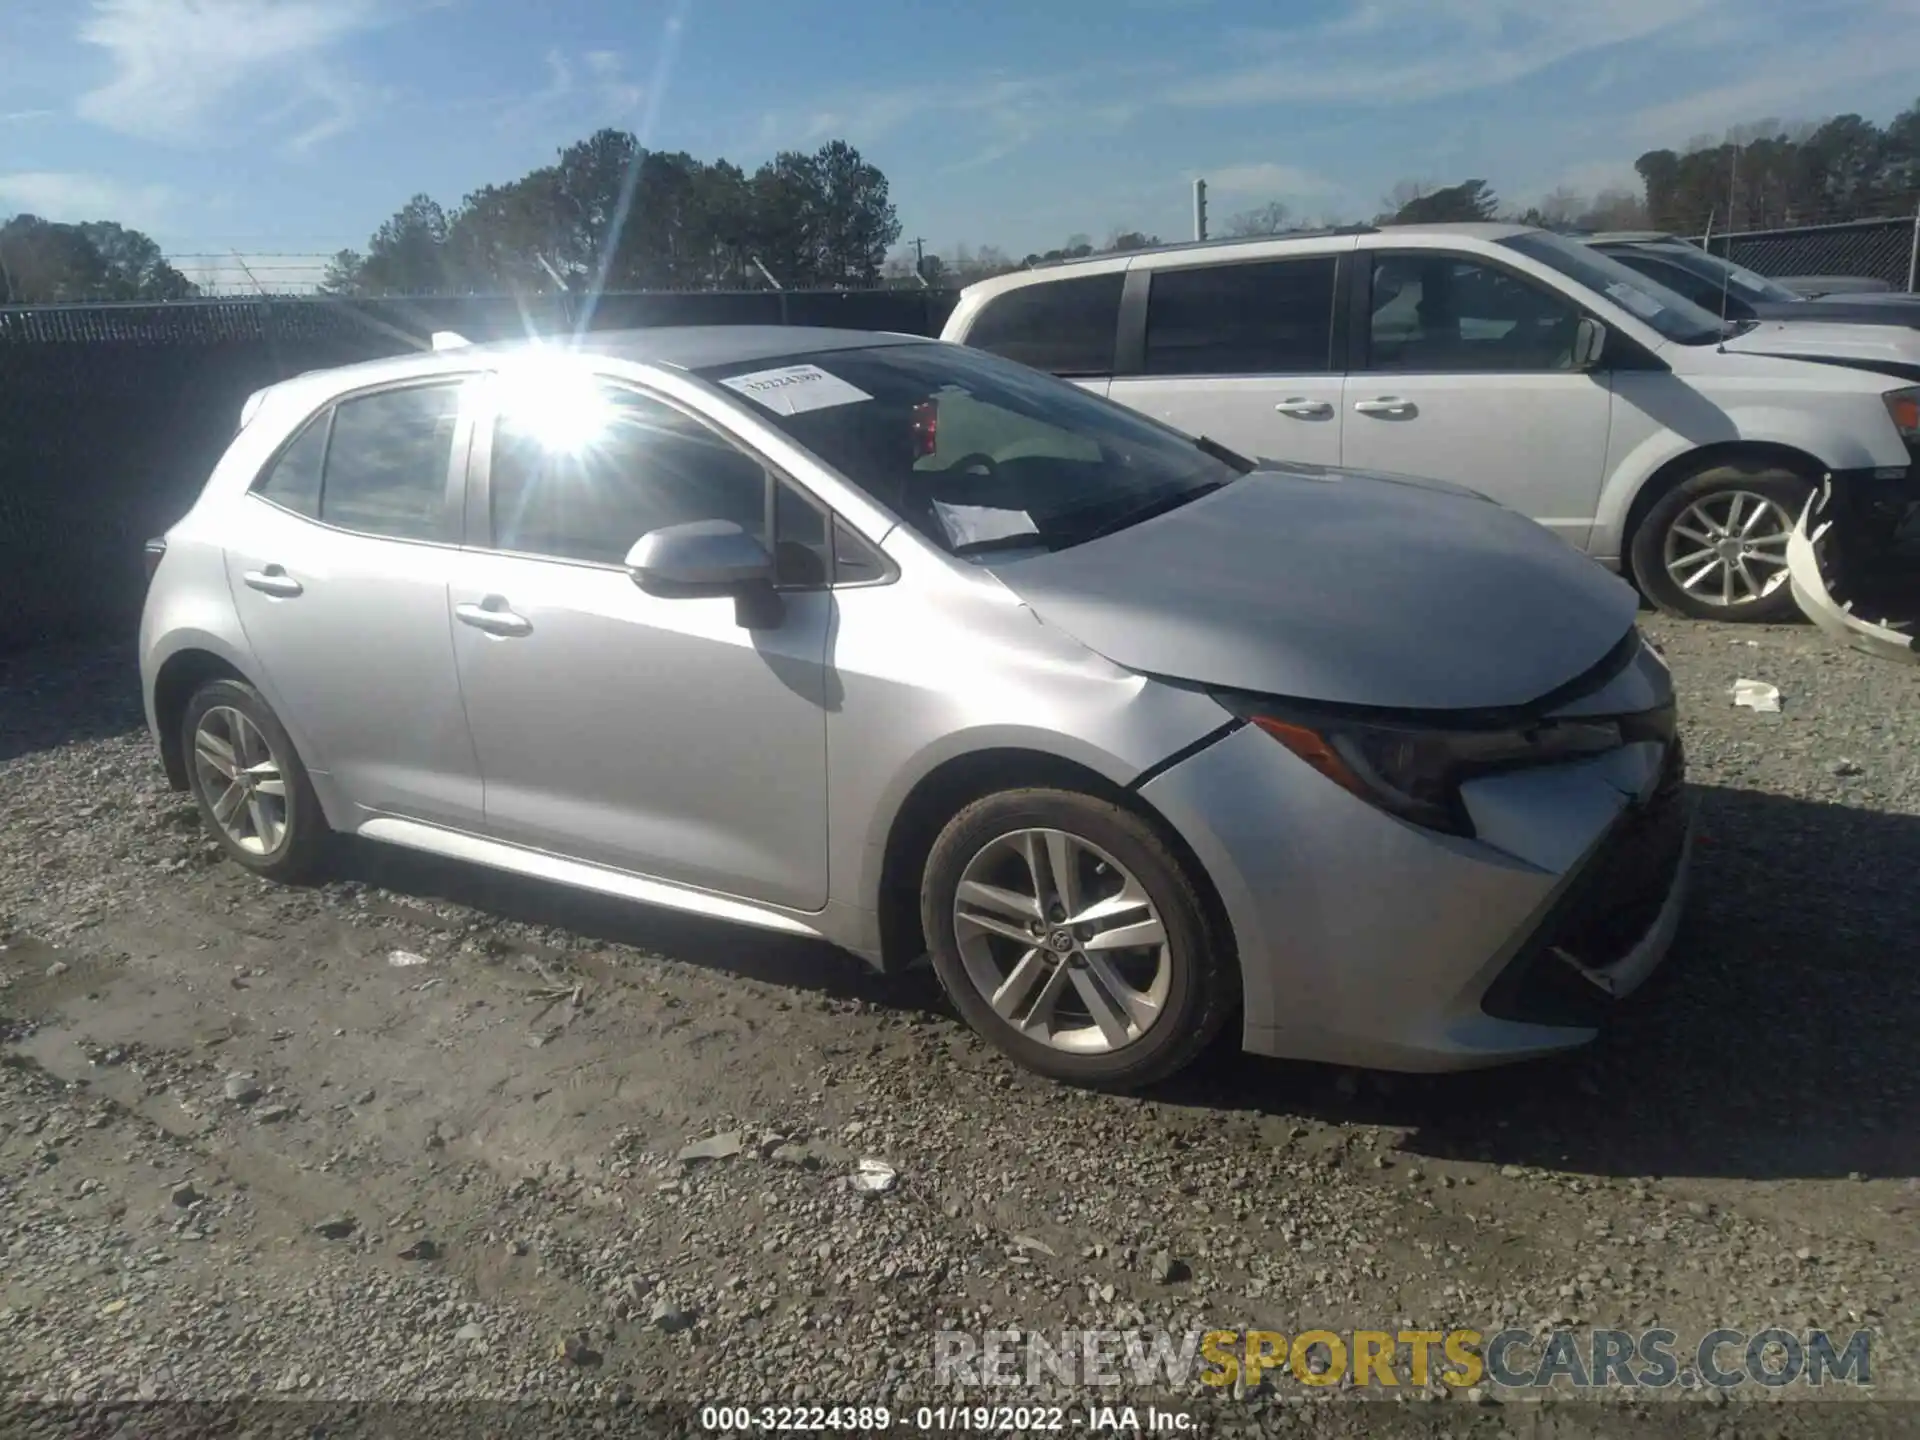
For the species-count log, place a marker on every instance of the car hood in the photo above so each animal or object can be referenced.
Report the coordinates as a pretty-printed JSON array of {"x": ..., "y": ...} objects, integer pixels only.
[
  {"x": 1850, "y": 343},
  {"x": 1901, "y": 310},
  {"x": 1338, "y": 587}
]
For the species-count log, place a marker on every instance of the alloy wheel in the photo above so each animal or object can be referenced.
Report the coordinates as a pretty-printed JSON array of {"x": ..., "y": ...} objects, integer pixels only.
[
  {"x": 238, "y": 773},
  {"x": 1729, "y": 548},
  {"x": 1062, "y": 941}
]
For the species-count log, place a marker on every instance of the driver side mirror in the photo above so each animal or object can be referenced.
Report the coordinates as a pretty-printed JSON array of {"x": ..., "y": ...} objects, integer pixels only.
[
  {"x": 1589, "y": 344},
  {"x": 705, "y": 558}
]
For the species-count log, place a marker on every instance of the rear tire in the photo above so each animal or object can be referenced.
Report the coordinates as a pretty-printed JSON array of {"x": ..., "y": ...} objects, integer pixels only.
[
  {"x": 253, "y": 792},
  {"x": 1711, "y": 547},
  {"x": 1039, "y": 983}
]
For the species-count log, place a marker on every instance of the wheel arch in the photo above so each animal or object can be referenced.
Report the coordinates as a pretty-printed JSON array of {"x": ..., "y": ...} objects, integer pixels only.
[
  {"x": 1706, "y": 457},
  {"x": 956, "y": 782},
  {"x": 180, "y": 675}
]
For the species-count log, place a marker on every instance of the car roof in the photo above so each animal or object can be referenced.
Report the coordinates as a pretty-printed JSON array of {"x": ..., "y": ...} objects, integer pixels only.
[
  {"x": 682, "y": 347},
  {"x": 1112, "y": 260},
  {"x": 1634, "y": 237}
]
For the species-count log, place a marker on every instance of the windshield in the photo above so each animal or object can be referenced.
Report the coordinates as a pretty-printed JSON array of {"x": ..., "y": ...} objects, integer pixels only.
[
  {"x": 1755, "y": 289},
  {"x": 977, "y": 453},
  {"x": 1674, "y": 316}
]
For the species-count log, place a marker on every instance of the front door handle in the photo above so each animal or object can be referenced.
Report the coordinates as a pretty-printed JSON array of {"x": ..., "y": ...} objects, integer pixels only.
[
  {"x": 273, "y": 580},
  {"x": 1299, "y": 409},
  {"x": 493, "y": 616},
  {"x": 1390, "y": 407}
]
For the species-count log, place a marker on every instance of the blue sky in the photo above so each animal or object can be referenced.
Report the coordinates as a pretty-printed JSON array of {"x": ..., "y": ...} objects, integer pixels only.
[{"x": 277, "y": 126}]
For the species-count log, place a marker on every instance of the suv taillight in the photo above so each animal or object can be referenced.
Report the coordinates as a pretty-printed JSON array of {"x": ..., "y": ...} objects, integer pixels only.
[{"x": 156, "y": 548}]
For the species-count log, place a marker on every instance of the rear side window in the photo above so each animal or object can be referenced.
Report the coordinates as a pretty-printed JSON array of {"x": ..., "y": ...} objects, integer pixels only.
[
  {"x": 293, "y": 481},
  {"x": 1063, "y": 326},
  {"x": 387, "y": 463},
  {"x": 1270, "y": 317}
]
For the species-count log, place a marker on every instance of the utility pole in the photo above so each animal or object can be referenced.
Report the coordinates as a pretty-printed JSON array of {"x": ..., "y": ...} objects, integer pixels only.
[
  {"x": 1913, "y": 255},
  {"x": 919, "y": 244},
  {"x": 1199, "y": 210}
]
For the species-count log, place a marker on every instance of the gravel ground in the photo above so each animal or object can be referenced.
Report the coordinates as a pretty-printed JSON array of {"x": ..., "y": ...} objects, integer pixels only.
[{"x": 244, "y": 1154}]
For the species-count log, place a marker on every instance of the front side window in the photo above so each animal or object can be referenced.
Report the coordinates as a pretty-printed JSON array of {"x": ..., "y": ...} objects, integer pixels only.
[
  {"x": 387, "y": 463},
  {"x": 1437, "y": 313},
  {"x": 1065, "y": 327},
  {"x": 974, "y": 452},
  {"x": 1273, "y": 317},
  {"x": 581, "y": 470}
]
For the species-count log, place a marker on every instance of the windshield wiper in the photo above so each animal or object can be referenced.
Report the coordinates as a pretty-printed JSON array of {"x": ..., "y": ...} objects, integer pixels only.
[
  {"x": 1231, "y": 458},
  {"x": 1166, "y": 500}
]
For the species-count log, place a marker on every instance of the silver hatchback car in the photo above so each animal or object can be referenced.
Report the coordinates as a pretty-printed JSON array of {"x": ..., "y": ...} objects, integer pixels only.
[{"x": 913, "y": 649}]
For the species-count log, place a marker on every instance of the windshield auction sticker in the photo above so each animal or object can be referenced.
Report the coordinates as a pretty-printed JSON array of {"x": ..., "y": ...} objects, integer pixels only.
[{"x": 796, "y": 389}]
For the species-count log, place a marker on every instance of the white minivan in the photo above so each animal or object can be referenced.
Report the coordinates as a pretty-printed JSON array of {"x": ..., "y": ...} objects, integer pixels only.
[{"x": 1528, "y": 366}]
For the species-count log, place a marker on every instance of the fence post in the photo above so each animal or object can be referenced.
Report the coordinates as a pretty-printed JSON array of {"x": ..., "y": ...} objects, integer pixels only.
[{"x": 1913, "y": 255}]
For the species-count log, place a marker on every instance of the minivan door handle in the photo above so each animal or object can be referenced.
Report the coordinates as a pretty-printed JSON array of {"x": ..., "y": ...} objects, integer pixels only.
[
  {"x": 493, "y": 616},
  {"x": 273, "y": 580},
  {"x": 1390, "y": 407},
  {"x": 1303, "y": 409}
]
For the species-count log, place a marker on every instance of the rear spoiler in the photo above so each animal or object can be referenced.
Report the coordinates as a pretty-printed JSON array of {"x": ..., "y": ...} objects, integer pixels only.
[
  {"x": 252, "y": 407},
  {"x": 1816, "y": 602}
]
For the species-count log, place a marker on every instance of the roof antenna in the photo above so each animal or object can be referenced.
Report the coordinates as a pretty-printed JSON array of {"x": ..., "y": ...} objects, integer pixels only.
[{"x": 1726, "y": 279}]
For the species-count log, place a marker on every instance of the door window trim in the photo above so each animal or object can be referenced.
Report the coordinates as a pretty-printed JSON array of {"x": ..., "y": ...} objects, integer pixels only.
[
  {"x": 1130, "y": 349},
  {"x": 477, "y": 519},
  {"x": 457, "y": 457}
]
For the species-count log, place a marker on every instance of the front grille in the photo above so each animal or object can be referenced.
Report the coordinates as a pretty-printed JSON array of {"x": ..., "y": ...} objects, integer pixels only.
[{"x": 1602, "y": 915}]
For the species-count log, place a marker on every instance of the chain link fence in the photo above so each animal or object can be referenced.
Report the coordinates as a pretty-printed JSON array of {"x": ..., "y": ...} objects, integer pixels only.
[
  {"x": 112, "y": 416},
  {"x": 1882, "y": 249}
]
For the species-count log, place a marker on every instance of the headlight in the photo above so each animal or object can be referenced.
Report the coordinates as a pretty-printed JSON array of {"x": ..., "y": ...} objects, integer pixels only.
[
  {"x": 1903, "y": 406},
  {"x": 1416, "y": 771}
]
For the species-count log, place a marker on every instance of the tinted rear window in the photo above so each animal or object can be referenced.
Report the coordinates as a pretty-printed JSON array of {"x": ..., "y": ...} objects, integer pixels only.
[
  {"x": 1270, "y": 317},
  {"x": 1062, "y": 326}
]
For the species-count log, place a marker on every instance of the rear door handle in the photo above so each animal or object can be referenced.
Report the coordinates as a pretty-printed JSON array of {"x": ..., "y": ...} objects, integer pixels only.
[
  {"x": 1305, "y": 409},
  {"x": 273, "y": 580},
  {"x": 492, "y": 616},
  {"x": 1390, "y": 406}
]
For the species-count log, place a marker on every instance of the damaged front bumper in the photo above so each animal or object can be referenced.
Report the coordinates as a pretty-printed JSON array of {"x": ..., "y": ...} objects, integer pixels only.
[{"x": 1816, "y": 602}]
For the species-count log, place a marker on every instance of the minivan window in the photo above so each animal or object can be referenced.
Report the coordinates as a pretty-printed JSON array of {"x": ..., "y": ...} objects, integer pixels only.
[
  {"x": 1673, "y": 316},
  {"x": 974, "y": 452},
  {"x": 1065, "y": 327},
  {"x": 1271, "y": 317},
  {"x": 1436, "y": 313},
  {"x": 387, "y": 462}
]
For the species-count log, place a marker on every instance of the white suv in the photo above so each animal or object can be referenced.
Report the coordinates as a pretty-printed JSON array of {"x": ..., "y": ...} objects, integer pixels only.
[{"x": 1522, "y": 364}]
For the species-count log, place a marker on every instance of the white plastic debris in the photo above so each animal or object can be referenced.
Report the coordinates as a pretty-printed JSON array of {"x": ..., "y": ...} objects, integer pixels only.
[
  {"x": 1756, "y": 695},
  {"x": 406, "y": 959},
  {"x": 873, "y": 1176}
]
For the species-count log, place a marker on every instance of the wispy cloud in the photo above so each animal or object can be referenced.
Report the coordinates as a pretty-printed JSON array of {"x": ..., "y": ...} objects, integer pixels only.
[
  {"x": 1265, "y": 179},
  {"x": 997, "y": 114},
  {"x": 71, "y": 198},
  {"x": 180, "y": 68},
  {"x": 21, "y": 117},
  {"x": 1396, "y": 52},
  {"x": 1802, "y": 78},
  {"x": 584, "y": 90}
]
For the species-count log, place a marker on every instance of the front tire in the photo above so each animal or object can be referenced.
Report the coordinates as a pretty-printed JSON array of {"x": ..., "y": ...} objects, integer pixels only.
[
  {"x": 1714, "y": 547},
  {"x": 253, "y": 792},
  {"x": 1069, "y": 935}
]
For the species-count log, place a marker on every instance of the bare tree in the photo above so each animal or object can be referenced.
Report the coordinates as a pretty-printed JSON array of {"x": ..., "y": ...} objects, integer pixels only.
[{"x": 1269, "y": 219}]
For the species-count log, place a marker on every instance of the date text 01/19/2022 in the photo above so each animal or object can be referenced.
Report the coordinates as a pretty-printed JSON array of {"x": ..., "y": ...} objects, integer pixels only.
[{"x": 980, "y": 1419}]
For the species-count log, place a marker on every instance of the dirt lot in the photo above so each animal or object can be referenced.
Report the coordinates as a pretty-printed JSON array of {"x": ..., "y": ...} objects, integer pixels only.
[{"x": 243, "y": 1152}]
